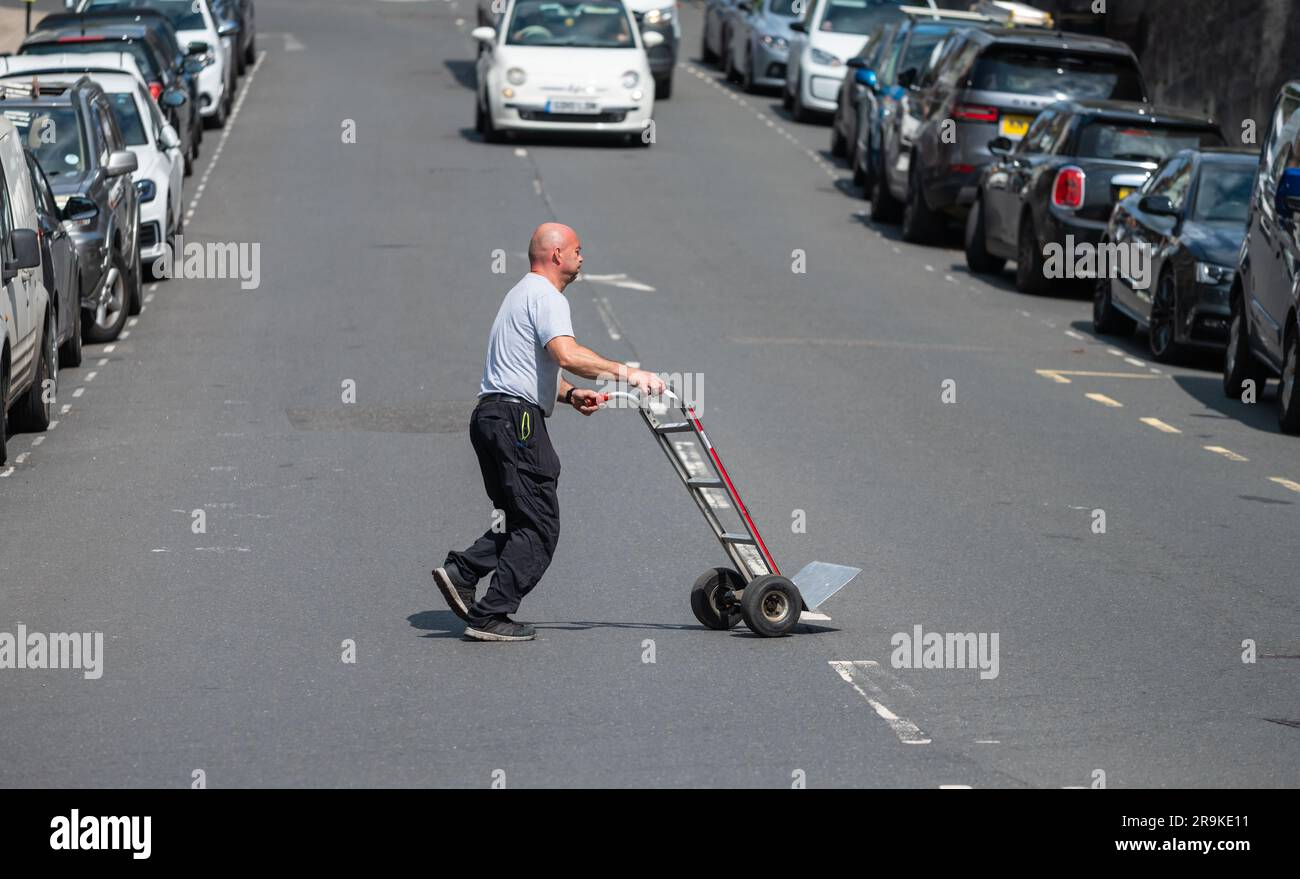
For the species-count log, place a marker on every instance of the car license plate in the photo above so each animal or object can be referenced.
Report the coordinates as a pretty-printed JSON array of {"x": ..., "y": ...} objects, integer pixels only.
[
  {"x": 1014, "y": 127},
  {"x": 588, "y": 107}
]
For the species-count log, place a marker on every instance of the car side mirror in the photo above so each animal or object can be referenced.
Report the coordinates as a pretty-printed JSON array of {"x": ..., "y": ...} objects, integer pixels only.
[
  {"x": 867, "y": 77},
  {"x": 1287, "y": 200},
  {"x": 798, "y": 27},
  {"x": 197, "y": 48},
  {"x": 174, "y": 98},
  {"x": 907, "y": 78},
  {"x": 652, "y": 39},
  {"x": 23, "y": 252},
  {"x": 1158, "y": 206},
  {"x": 80, "y": 208},
  {"x": 1001, "y": 146},
  {"x": 169, "y": 139},
  {"x": 228, "y": 29},
  {"x": 484, "y": 34},
  {"x": 121, "y": 162}
]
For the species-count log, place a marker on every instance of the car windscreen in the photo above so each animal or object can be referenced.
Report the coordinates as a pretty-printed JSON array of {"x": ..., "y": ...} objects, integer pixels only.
[
  {"x": 1126, "y": 142},
  {"x": 184, "y": 15},
  {"x": 593, "y": 24},
  {"x": 138, "y": 50},
  {"x": 1060, "y": 74},
  {"x": 1224, "y": 193},
  {"x": 858, "y": 16},
  {"x": 127, "y": 113},
  {"x": 53, "y": 134}
]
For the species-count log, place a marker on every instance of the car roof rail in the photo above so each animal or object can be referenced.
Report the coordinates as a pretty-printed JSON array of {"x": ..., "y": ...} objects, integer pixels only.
[{"x": 1002, "y": 12}]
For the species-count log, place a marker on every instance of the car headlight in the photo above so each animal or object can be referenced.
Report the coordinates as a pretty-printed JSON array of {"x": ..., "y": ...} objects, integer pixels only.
[
  {"x": 773, "y": 41},
  {"x": 516, "y": 76},
  {"x": 1209, "y": 273},
  {"x": 630, "y": 79},
  {"x": 659, "y": 16},
  {"x": 147, "y": 189},
  {"x": 817, "y": 56}
]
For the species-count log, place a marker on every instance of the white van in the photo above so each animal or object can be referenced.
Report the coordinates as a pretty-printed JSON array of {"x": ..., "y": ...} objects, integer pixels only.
[{"x": 29, "y": 356}]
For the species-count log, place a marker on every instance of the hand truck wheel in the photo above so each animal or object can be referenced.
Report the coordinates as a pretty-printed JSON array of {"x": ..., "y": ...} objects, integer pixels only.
[
  {"x": 713, "y": 598},
  {"x": 770, "y": 606}
]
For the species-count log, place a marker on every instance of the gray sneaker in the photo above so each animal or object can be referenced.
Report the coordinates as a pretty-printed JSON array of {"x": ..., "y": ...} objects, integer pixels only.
[
  {"x": 459, "y": 598},
  {"x": 498, "y": 627}
]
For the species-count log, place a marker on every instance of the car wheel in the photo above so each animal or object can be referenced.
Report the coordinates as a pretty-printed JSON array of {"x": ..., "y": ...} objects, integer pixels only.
[
  {"x": 747, "y": 74},
  {"x": 797, "y": 109},
  {"x": 489, "y": 132},
  {"x": 884, "y": 207},
  {"x": 1288, "y": 406},
  {"x": 1029, "y": 259},
  {"x": 705, "y": 54},
  {"x": 135, "y": 286},
  {"x": 1162, "y": 337},
  {"x": 839, "y": 147},
  {"x": 920, "y": 224},
  {"x": 250, "y": 54},
  {"x": 70, "y": 353},
  {"x": 664, "y": 88},
  {"x": 1106, "y": 319},
  {"x": 36, "y": 409},
  {"x": 108, "y": 319},
  {"x": 978, "y": 258},
  {"x": 1239, "y": 364}
]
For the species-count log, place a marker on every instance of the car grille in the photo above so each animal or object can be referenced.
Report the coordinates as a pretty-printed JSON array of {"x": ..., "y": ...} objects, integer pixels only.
[
  {"x": 775, "y": 70},
  {"x": 538, "y": 116},
  {"x": 148, "y": 235}
]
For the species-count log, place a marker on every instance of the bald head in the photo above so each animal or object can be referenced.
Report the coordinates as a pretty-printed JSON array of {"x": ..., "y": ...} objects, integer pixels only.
[{"x": 555, "y": 252}]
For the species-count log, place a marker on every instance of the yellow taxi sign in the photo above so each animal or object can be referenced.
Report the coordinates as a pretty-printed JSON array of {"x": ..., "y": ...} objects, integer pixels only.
[{"x": 1014, "y": 126}]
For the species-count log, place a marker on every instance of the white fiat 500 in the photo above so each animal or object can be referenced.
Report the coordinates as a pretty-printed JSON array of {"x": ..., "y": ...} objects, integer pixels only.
[{"x": 555, "y": 65}]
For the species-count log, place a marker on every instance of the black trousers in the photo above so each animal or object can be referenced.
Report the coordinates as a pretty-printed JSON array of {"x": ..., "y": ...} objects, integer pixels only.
[{"x": 520, "y": 472}]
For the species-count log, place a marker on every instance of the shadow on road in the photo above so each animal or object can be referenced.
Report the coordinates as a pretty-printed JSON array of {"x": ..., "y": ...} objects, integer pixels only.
[{"x": 464, "y": 73}]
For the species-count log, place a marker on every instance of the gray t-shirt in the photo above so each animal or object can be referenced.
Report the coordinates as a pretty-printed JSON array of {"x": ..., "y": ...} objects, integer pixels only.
[{"x": 533, "y": 313}]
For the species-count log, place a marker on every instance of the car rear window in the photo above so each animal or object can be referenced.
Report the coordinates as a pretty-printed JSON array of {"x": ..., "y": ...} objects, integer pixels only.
[
  {"x": 139, "y": 51},
  {"x": 1058, "y": 74},
  {"x": 1224, "y": 193},
  {"x": 1141, "y": 143},
  {"x": 919, "y": 50},
  {"x": 859, "y": 16},
  {"x": 128, "y": 119},
  {"x": 53, "y": 134}
]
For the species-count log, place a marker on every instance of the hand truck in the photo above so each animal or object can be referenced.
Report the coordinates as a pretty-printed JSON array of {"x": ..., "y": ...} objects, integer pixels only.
[{"x": 754, "y": 590}]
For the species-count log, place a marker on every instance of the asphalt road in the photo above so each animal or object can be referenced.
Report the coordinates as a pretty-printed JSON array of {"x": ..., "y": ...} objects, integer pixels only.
[{"x": 1119, "y": 652}]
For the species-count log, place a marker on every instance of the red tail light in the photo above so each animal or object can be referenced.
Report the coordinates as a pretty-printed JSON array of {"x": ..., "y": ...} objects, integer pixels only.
[
  {"x": 1067, "y": 191},
  {"x": 975, "y": 113},
  {"x": 155, "y": 89},
  {"x": 962, "y": 169}
]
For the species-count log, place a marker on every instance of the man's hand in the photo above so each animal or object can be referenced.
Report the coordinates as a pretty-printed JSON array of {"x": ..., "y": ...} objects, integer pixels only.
[
  {"x": 587, "y": 401},
  {"x": 648, "y": 382}
]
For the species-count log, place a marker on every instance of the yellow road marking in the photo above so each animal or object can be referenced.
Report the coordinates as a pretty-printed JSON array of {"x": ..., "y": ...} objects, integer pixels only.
[
  {"x": 1105, "y": 401},
  {"x": 1227, "y": 453},
  {"x": 1059, "y": 375},
  {"x": 1285, "y": 483},
  {"x": 1160, "y": 425}
]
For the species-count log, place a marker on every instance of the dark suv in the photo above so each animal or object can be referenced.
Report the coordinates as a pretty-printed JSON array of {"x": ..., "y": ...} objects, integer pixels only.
[
  {"x": 991, "y": 83},
  {"x": 1263, "y": 335},
  {"x": 73, "y": 133}
]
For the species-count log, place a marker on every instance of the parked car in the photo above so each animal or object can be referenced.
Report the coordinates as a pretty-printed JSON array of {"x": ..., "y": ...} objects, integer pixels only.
[
  {"x": 29, "y": 356},
  {"x": 149, "y": 45},
  {"x": 759, "y": 42},
  {"x": 911, "y": 51},
  {"x": 715, "y": 15},
  {"x": 242, "y": 16},
  {"x": 555, "y": 69},
  {"x": 831, "y": 32},
  {"x": 199, "y": 31},
  {"x": 1264, "y": 332},
  {"x": 664, "y": 18},
  {"x": 60, "y": 268},
  {"x": 1191, "y": 218},
  {"x": 72, "y": 131},
  {"x": 859, "y": 79},
  {"x": 1063, "y": 179},
  {"x": 992, "y": 81}
]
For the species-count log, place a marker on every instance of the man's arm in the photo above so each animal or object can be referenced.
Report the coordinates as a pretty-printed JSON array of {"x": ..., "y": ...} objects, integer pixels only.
[{"x": 582, "y": 361}]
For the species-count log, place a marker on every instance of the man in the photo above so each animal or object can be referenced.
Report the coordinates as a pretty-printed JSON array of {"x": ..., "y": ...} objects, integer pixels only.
[{"x": 530, "y": 342}]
